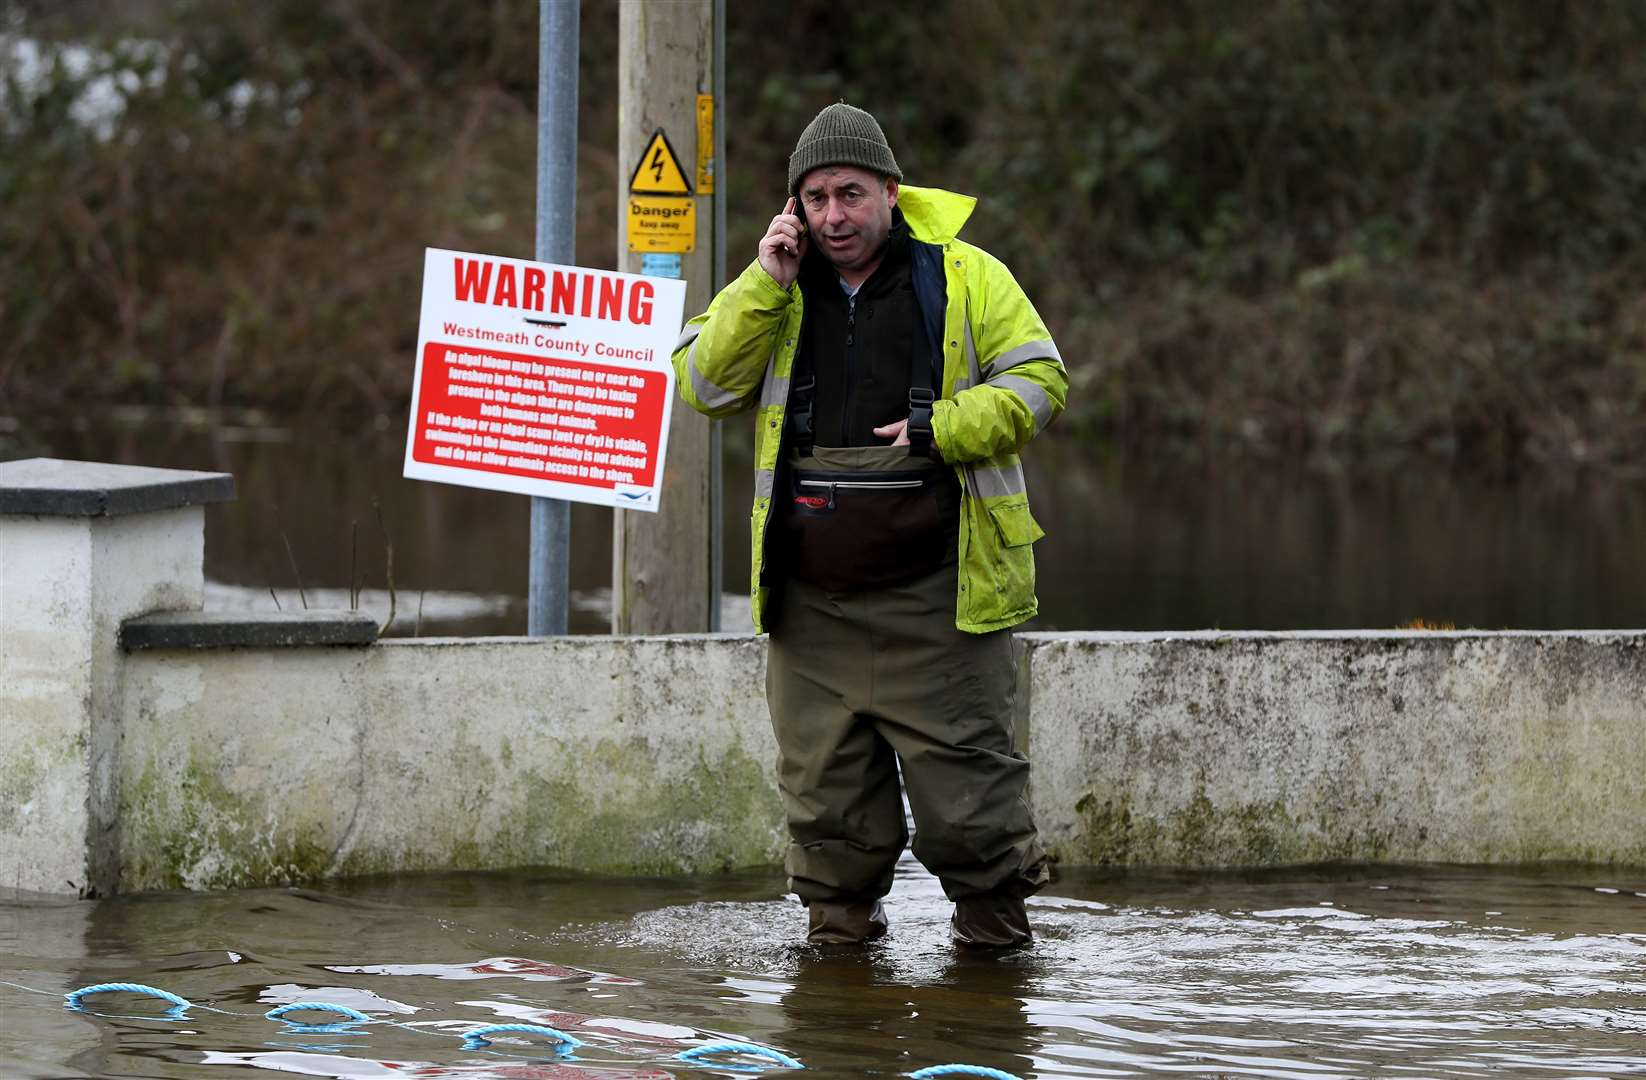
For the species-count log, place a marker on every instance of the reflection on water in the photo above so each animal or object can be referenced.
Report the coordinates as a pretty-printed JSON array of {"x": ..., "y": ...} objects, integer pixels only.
[
  {"x": 1130, "y": 544},
  {"x": 1323, "y": 973}
]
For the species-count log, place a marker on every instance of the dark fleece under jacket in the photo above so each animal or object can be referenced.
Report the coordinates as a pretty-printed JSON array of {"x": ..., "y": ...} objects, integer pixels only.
[{"x": 860, "y": 355}]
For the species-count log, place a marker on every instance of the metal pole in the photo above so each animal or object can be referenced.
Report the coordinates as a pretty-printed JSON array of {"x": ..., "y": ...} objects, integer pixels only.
[
  {"x": 547, "y": 592},
  {"x": 717, "y": 481}
]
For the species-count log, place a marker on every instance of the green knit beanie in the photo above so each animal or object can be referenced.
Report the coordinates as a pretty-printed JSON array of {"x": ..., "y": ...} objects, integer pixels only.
[{"x": 842, "y": 135}]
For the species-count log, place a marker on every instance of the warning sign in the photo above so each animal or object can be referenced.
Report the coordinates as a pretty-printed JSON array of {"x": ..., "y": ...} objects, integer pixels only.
[
  {"x": 662, "y": 223},
  {"x": 543, "y": 380},
  {"x": 662, "y": 214},
  {"x": 658, "y": 171}
]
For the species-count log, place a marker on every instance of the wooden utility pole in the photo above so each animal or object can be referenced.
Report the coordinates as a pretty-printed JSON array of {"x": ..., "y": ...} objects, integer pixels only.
[{"x": 662, "y": 563}]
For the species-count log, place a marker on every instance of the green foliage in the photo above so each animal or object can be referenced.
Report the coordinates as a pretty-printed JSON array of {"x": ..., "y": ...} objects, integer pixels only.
[
  {"x": 1290, "y": 224},
  {"x": 243, "y": 221}
]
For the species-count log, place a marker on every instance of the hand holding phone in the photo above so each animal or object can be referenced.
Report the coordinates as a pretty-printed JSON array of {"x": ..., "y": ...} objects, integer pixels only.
[{"x": 784, "y": 245}]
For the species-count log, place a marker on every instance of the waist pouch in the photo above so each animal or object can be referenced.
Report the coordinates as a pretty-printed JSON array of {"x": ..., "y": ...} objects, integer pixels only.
[{"x": 868, "y": 517}]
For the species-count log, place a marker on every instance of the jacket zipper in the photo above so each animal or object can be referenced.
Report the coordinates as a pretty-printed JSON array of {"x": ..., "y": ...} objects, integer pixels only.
[{"x": 851, "y": 366}]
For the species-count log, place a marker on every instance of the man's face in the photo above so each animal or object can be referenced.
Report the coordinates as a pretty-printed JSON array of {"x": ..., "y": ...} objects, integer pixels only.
[{"x": 849, "y": 212}]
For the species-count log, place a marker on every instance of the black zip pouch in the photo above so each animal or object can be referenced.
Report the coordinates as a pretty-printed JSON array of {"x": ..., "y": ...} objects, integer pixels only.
[{"x": 868, "y": 517}]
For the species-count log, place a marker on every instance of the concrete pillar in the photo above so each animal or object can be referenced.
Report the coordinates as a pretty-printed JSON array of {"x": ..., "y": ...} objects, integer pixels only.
[{"x": 83, "y": 546}]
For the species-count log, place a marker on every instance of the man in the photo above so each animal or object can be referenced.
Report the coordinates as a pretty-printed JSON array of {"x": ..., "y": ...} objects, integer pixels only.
[{"x": 895, "y": 372}]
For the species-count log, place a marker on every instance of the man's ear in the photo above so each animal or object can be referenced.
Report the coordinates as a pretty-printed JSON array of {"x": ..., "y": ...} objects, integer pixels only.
[{"x": 891, "y": 192}]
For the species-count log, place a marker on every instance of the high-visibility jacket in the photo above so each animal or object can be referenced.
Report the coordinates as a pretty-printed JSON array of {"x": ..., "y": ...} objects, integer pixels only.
[{"x": 1003, "y": 382}]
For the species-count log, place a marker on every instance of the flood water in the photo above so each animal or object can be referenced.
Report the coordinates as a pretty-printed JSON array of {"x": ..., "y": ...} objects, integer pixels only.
[
  {"x": 1319, "y": 973},
  {"x": 1171, "y": 543}
]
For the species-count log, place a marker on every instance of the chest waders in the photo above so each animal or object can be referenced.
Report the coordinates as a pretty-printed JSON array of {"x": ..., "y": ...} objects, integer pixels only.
[{"x": 867, "y": 672}]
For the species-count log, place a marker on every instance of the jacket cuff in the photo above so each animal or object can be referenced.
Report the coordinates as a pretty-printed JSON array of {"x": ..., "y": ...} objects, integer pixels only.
[
  {"x": 943, "y": 429},
  {"x": 757, "y": 278}
]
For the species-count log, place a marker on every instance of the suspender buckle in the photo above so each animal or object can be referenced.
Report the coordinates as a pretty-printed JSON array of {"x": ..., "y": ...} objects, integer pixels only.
[{"x": 920, "y": 421}]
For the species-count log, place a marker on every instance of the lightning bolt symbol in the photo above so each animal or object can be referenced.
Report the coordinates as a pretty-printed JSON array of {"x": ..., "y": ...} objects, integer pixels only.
[{"x": 657, "y": 165}]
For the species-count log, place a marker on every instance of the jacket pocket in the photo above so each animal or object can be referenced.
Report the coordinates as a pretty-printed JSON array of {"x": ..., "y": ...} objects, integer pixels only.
[{"x": 1015, "y": 524}]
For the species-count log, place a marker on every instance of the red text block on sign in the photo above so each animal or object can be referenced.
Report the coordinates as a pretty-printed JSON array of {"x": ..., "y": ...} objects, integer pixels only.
[{"x": 538, "y": 417}]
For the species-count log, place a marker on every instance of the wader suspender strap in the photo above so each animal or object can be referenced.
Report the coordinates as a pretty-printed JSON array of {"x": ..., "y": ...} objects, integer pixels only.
[
  {"x": 926, "y": 274},
  {"x": 920, "y": 399},
  {"x": 798, "y": 418},
  {"x": 803, "y": 391}
]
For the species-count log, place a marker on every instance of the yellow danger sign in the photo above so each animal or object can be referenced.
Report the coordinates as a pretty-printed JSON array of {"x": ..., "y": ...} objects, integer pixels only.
[
  {"x": 662, "y": 223},
  {"x": 658, "y": 171}
]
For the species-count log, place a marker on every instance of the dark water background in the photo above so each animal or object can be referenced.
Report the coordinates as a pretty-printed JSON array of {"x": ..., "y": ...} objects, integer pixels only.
[
  {"x": 1171, "y": 543},
  {"x": 1325, "y": 972}
]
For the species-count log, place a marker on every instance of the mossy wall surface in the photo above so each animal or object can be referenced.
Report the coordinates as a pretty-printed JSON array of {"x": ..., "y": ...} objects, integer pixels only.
[
  {"x": 1247, "y": 749},
  {"x": 65, "y": 586},
  {"x": 654, "y": 755},
  {"x": 642, "y": 756}
]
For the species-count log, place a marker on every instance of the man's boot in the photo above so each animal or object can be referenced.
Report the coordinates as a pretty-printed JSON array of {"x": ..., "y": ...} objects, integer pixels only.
[
  {"x": 835, "y": 922},
  {"x": 990, "y": 921}
]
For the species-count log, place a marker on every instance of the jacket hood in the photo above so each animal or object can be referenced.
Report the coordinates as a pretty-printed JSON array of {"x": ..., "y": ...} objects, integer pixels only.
[{"x": 934, "y": 215}]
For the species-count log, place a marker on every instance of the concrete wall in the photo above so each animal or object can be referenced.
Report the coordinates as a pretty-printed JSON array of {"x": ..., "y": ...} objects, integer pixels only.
[
  {"x": 66, "y": 584},
  {"x": 1215, "y": 749},
  {"x": 259, "y": 757},
  {"x": 648, "y": 755},
  {"x": 654, "y": 755}
]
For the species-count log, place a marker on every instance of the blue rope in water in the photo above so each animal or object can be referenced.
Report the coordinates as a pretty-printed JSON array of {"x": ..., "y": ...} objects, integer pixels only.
[
  {"x": 961, "y": 1070},
  {"x": 474, "y": 1040},
  {"x": 698, "y": 1052},
  {"x": 322, "y": 1006},
  {"x": 179, "y": 1005}
]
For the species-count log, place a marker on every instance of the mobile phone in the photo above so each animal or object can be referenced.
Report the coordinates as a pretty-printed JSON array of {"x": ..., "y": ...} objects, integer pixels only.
[{"x": 793, "y": 208}]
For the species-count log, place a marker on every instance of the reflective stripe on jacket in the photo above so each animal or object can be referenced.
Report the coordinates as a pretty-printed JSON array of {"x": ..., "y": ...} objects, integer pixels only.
[{"x": 1003, "y": 382}]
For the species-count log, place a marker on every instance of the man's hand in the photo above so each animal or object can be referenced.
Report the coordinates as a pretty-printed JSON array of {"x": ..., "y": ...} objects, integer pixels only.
[
  {"x": 898, "y": 432},
  {"x": 783, "y": 246}
]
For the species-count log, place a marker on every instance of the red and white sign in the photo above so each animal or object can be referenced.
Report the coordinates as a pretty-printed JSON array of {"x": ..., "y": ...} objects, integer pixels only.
[{"x": 543, "y": 380}]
